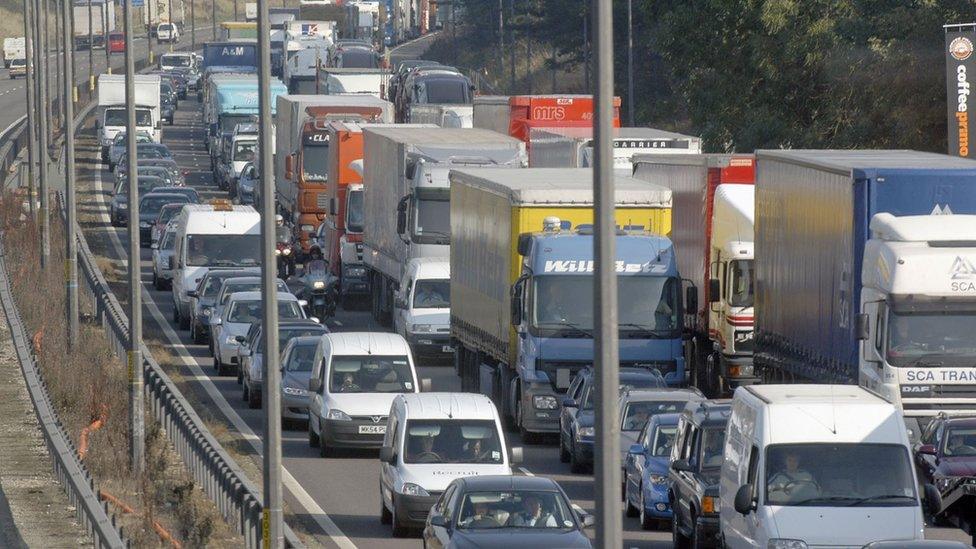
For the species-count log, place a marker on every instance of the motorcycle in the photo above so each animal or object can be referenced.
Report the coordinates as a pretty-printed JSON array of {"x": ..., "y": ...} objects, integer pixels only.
[{"x": 319, "y": 289}]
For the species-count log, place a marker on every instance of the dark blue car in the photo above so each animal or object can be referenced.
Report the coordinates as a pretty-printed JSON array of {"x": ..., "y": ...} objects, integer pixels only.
[
  {"x": 646, "y": 471},
  {"x": 576, "y": 417}
]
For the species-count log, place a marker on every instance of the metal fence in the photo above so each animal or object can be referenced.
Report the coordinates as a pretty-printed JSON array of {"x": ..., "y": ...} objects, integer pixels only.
[{"x": 221, "y": 478}]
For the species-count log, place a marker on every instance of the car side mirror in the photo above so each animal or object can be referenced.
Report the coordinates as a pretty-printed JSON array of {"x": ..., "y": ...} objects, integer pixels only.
[
  {"x": 933, "y": 499},
  {"x": 714, "y": 291},
  {"x": 426, "y": 385},
  {"x": 315, "y": 385},
  {"x": 402, "y": 215},
  {"x": 303, "y": 303},
  {"x": 570, "y": 403},
  {"x": 438, "y": 520},
  {"x": 680, "y": 465},
  {"x": 927, "y": 449},
  {"x": 388, "y": 455},
  {"x": 588, "y": 520},
  {"x": 636, "y": 449},
  {"x": 743, "y": 503},
  {"x": 240, "y": 339},
  {"x": 691, "y": 300},
  {"x": 192, "y": 293},
  {"x": 515, "y": 455},
  {"x": 863, "y": 327}
]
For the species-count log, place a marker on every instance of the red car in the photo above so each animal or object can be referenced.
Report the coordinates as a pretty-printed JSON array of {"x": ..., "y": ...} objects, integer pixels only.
[{"x": 116, "y": 42}]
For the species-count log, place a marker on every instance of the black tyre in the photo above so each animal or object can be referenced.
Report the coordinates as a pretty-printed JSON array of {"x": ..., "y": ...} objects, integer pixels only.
[
  {"x": 678, "y": 540},
  {"x": 563, "y": 452},
  {"x": 646, "y": 522},
  {"x": 313, "y": 439},
  {"x": 385, "y": 516},
  {"x": 576, "y": 465},
  {"x": 399, "y": 530},
  {"x": 253, "y": 400},
  {"x": 244, "y": 394}
]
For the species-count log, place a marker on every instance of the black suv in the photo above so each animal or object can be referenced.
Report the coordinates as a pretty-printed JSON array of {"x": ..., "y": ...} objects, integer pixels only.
[{"x": 696, "y": 459}]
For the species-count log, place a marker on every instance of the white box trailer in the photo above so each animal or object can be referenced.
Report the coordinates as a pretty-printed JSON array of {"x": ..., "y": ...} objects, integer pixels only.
[
  {"x": 406, "y": 202},
  {"x": 491, "y": 112},
  {"x": 13, "y": 48},
  {"x": 102, "y": 22},
  {"x": 163, "y": 11},
  {"x": 111, "y": 100},
  {"x": 573, "y": 147}
]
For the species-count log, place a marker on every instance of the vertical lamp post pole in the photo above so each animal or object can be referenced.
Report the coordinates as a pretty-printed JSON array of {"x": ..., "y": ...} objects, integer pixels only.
[
  {"x": 136, "y": 411},
  {"x": 272, "y": 530},
  {"x": 193, "y": 25},
  {"x": 150, "y": 14},
  {"x": 172, "y": 25},
  {"x": 57, "y": 63},
  {"x": 607, "y": 459},
  {"x": 44, "y": 90},
  {"x": 71, "y": 251},
  {"x": 91, "y": 48},
  {"x": 213, "y": 18},
  {"x": 31, "y": 105},
  {"x": 501, "y": 38},
  {"x": 108, "y": 54},
  {"x": 631, "y": 100}
]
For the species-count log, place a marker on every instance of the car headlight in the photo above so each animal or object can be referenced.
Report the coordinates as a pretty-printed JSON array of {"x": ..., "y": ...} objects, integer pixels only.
[
  {"x": 585, "y": 432},
  {"x": 231, "y": 340},
  {"x": 338, "y": 415},
  {"x": 658, "y": 479},
  {"x": 710, "y": 505},
  {"x": 124, "y": 205},
  {"x": 318, "y": 284},
  {"x": 207, "y": 311},
  {"x": 411, "y": 489},
  {"x": 277, "y": 252},
  {"x": 286, "y": 251},
  {"x": 545, "y": 402},
  {"x": 295, "y": 391},
  {"x": 420, "y": 328},
  {"x": 783, "y": 543}
]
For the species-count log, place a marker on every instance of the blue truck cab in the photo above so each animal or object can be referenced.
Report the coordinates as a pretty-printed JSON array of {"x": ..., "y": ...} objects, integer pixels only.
[
  {"x": 235, "y": 101},
  {"x": 556, "y": 325}
]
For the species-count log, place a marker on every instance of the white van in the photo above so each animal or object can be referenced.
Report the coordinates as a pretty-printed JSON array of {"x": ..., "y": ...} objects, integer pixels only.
[
  {"x": 355, "y": 377},
  {"x": 422, "y": 307},
  {"x": 432, "y": 439},
  {"x": 817, "y": 465},
  {"x": 211, "y": 235}
]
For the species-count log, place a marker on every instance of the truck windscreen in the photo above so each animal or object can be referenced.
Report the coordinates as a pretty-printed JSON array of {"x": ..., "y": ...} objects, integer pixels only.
[
  {"x": 223, "y": 250},
  {"x": 930, "y": 338},
  {"x": 230, "y": 121},
  {"x": 359, "y": 59},
  {"x": 432, "y": 221},
  {"x": 354, "y": 212},
  {"x": 230, "y": 55},
  {"x": 740, "y": 283},
  {"x": 116, "y": 117},
  {"x": 175, "y": 61},
  {"x": 315, "y": 162},
  {"x": 440, "y": 92},
  {"x": 648, "y": 306}
]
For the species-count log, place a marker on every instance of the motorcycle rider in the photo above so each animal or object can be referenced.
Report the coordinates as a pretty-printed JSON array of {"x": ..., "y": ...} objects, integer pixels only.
[
  {"x": 286, "y": 263},
  {"x": 317, "y": 280}
]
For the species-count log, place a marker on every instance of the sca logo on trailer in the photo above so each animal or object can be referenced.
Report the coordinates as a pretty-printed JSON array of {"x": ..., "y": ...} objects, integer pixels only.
[
  {"x": 963, "y": 275},
  {"x": 961, "y": 48}
]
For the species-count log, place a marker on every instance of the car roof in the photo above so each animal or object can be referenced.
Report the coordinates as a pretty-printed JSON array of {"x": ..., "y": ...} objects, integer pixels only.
[
  {"x": 256, "y": 296},
  {"x": 154, "y": 194},
  {"x": 709, "y": 413},
  {"x": 360, "y": 343},
  {"x": 448, "y": 406},
  {"x": 665, "y": 419},
  {"x": 664, "y": 393},
  {"x": 509, "y": 482}
]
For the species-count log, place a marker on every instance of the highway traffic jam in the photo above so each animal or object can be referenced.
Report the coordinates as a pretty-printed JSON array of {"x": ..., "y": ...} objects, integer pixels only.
[{"x": 796, "y": 326}]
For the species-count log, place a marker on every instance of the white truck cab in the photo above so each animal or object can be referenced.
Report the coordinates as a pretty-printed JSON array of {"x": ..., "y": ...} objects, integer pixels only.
[
  {"x": 111, "y": 115},
  {"x": 211, "y": 235},
  {"x": 355, "y": 377},
  {"x": 817, "y": 466},
  {"x": 432, "y": 439},
  {"x": 422, "y": 307},
  {"x": 918, "y": 313}
]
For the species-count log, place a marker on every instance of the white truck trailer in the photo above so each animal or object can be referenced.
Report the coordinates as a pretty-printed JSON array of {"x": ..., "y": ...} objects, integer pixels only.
[
  {"x": 407, "y": 197},
  {"x": 111, "y": 118},
  {"x": 102, "y": 17}
]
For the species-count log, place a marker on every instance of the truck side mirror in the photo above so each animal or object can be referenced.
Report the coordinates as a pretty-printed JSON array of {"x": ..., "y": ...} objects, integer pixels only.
[
  {"x": 518, "y": 290},
  {"x": 743, "y": 503},
  {"x": 332, "y": 207},
  {"x": 388, "y": 455},
  {"x": 691, "y": 300},
  {"x": 714, "y": 291},
  {"x": 863, "y": 327},
  {"x": 289, "y": 166},
  {"x": 402, "y": 215},
  {"x": 524, "y": 244},
  {"x": 315, "y": 385}
]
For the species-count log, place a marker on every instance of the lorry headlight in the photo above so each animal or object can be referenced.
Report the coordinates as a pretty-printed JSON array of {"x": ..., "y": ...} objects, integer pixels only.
[
  {"x": 658, "y": 479},
  {"x": 545, "y": 402},
  {"x": 411, "y": 489},
  {"x": 783, "y": 543},
  {"x": 338, "y": 415},
  {"x": 286, "y": 251},
  {"x": 277, "y": 252},
  {"x": 585, "y": 432},
  {"x": 124, "y": 205},
  {"x": 356, "y": 271},
  {"x": 420, "y": 328},
  {"x": 942, "y": 484},
  {"x": 318, "y": 284}
]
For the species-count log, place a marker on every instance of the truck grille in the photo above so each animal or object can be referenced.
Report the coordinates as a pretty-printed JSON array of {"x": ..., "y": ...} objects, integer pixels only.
[
  {"x": 561, "y": 372},
  {"x": 938, "y": 391}
]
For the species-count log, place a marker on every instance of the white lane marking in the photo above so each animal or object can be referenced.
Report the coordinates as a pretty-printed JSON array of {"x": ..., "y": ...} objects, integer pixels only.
[{"x": 291, "y": 484}]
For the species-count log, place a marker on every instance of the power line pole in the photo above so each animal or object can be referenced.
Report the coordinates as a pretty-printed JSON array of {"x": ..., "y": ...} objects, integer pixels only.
[
  {"x": 44, "y": 130},
  {"x": 150, "y": 13},
  {"x": 272, "y": 532},
  {"x": 193, "y": 25},
  {"x": 631, "y": 103},
  {"x": 213, "y": 18},
  {"x": 31, "y": 102},
  {"x": 136, "y": 399},
  {"x": 59, "y": 69},
  {"x": 108, "y": 54},
  {"x": 71, "y": 252},
  {"x": 172, "y": 25},
  {"x": 501, "y": 39},
  {"x": 91, "y": 48},
  {"x": 609, "y": 525}
]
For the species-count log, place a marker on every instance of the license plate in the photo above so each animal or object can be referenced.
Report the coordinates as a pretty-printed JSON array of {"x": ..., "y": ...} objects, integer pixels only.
[
  {"x": 372, "y": 429},
  {"x": 447, "y": 349}
]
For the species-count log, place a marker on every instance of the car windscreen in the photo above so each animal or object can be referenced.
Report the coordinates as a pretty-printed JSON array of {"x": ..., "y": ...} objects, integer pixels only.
[
  {"x": 446, "y": 91},
  {"x": 839, "y": 475},
  {"x": 152, "y": 204},
  {"x": 636, "y": 413},
  {"x": 452, "y": 441},
  {"x": 315, "y": 162},
  {"x": 244, "y": 150},
  {"x": 223, "y": 250},
  {"x": 169, "y": 241},
  {"x": 302, "y": 357},
  {"x": 250, "y": 311},
  {"x": 514, "y": 509},
  {"x": 168, "y": 212},
  {"x": 213, "y": 282},
  {"x": 287, "y": 334},
  {"x": 150, "y": 150},
  {"x": 662, "y": 439},
  {"x": 432, "y": 294},
  {"x": 370, "y": 374}
]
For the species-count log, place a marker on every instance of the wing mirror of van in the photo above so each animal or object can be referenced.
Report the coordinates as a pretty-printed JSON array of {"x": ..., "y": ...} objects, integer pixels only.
[
  {"x": 570, "y": 403},
  {"x": 315, "y": 385},
  {"x": 681, "y": 465},
  {"x": 240, "y": 339},
  {"x": 863, "y": 327},
  {"x": 439, "y": 521},
  {"x": 388, "y": 455},
  {"x": 426, "y": 385},
  {"x": 588, "y": 520},
  {"x": 933, "y": 499},
  {"x": 636, "y": 449},
  {"x": 743, "y": 503},
  {"x": 515, "y": 455}
]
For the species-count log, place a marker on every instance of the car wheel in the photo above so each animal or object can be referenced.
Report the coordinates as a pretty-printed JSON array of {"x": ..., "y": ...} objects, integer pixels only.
[
  {"x": 176, "y": 313},
  {"x": 696, "y": 538},
  {"x": 155, "y": 281},
  {"x": 576, "y": 466},
  {"x": 324, "y": 449},
  {"x": 240, "y": 376},
  {"x": 631, "y": 510},
  {"x": 313, "y": 439},
  {"x": 253, "y": 400},
  {"x": 194, "y": 334},
  {"x": 646, "y": 522},
  {"x": 244, "y": 391},
  {"x": 678, "y": 540},
  {"x": 563, "y": 452},
  {"x": 216, "y": 364},
  {"x": 385, "y": 515},
  {"x": 399, "y": 530},
  {"x": 184, "y": 322}
]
